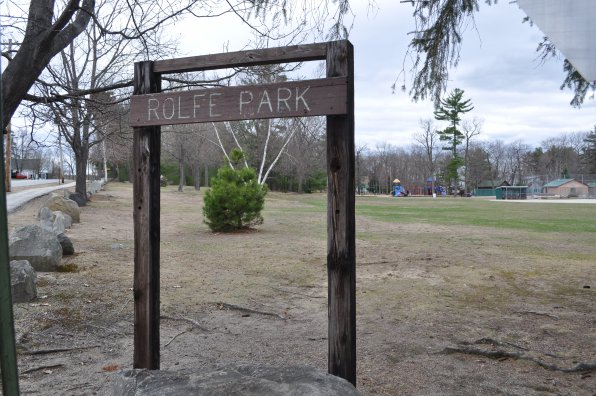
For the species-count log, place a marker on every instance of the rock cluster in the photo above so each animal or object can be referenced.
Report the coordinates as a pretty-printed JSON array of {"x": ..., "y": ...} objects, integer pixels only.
[{"x": 40, "y": 247}]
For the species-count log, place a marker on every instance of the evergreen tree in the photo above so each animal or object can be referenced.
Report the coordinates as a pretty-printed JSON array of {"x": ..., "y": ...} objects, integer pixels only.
[
  {"x": 235, "y": 199},
  {"x": 451, "y": 110}
]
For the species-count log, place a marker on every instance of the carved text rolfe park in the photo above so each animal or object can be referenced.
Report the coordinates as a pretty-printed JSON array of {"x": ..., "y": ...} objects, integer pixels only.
[{"x": 288, "y": 99}]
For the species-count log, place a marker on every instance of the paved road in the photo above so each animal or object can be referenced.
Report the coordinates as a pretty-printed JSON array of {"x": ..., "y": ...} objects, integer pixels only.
[
  {"x": 16, "y": 183},
  {"x": 15, "y": 200}
]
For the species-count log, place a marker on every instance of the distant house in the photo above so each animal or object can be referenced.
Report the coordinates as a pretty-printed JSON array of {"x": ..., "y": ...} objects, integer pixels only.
[
  {"x": 493, "y": 183},
  {"x": 30, "y": 167},
  {"x": 571, "y": 188},
  {"x": 487, "y": 188}
]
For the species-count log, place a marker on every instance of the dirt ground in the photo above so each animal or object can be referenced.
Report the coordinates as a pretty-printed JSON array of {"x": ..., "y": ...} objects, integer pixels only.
[{"x": 441, "y": 310}]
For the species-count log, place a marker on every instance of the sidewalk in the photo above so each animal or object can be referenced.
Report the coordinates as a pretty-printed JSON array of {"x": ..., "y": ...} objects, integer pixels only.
[{"x": 15, "y": 200}]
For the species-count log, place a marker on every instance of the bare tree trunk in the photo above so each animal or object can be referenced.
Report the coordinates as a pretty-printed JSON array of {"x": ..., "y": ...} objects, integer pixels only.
[
  {"x": 43, "y": 39},
  {"x": 182, "y": 181},
  {"x": 196, "y": 175},
  {"x": 81, "y": 157},
  {"x": 206, "y": 176},
  {"x": 182, "y": 176}
]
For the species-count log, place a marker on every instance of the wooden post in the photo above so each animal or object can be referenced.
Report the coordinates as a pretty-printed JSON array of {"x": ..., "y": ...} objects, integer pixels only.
[
  {"x": 8, "y": 355},
  {"x": 146, "y": 153},
  {"x": 341, "y": 239},
  {"x": 7, "y": 167}
]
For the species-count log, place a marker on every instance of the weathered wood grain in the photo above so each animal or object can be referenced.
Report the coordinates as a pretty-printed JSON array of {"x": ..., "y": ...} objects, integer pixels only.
[
  {"x": 146, "y": 200},
  {"x": 287, "y": 99},
  {"x": 294, "y": 53},
  {"x": 341, "y": 232}
]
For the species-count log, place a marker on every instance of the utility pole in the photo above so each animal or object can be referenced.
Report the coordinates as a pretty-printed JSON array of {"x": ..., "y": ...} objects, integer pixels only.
[
  {"x": 61, "y": 175},
  {"x": 7, "y": 166}
]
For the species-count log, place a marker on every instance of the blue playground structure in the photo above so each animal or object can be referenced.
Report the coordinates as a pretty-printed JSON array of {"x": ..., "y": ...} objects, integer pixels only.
[{"x": 399, "y": 190}]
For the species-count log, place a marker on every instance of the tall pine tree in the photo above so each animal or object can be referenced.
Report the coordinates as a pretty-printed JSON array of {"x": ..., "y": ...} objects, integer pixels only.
[{"x": 451, "y": 110}]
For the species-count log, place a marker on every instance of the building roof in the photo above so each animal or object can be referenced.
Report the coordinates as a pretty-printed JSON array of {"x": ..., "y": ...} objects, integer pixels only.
[
  {"x": 25, "y": 163},
  {"x": 560, "y": 182},
  {"x": 493, "y": 183},
  {"x": 591, "y": 184}
]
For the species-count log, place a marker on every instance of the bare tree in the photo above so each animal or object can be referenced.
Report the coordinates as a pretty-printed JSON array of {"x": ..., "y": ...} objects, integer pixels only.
[
  {"x": 186, "y": 145},
  {"x": 360, "y": 170},
  {"x": 97, "y": 62},
  {"x": 44, "y": 37},
  {"x": 470, "y": 128},
  {"x": 306, "y": 151},
  {"x": 428, "y": 139}
]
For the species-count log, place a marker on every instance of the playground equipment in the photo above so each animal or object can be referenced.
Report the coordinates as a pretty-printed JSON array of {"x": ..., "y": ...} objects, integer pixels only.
[{"x": 399, "y": 190}]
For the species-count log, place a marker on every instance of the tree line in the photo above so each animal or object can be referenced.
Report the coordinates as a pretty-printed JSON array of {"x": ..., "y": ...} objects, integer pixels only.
[
  {"x": 565, "y": 156},
  {"x": 70, "y": 71}
]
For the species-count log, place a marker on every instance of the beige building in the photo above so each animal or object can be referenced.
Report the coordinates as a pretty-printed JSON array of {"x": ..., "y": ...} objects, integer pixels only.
[{"x": 567, "y": 188}]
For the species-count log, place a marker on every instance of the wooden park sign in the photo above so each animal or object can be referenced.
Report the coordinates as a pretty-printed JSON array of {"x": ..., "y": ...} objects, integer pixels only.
[
  {"x": 290, "y": 99},
  {"x": 332, "y": 96}
]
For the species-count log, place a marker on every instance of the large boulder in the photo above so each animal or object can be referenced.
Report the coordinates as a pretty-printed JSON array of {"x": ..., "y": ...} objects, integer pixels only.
[
  {"x": 23, "y": 281},
  {"x": 56, "y": 222},
  {"x": 66, "y": 243},
  {"x": 79, "y": 198},
  {"x": 238, "y": 380},
  {"x": 36, "y": 245},
  {"x": 65, "y": 205}
]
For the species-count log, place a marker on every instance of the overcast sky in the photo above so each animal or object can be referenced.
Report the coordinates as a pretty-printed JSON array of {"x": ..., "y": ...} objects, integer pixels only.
[{"x": 515, "y": 95}]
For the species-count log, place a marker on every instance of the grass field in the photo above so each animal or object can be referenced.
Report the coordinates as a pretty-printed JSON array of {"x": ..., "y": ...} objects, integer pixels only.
[
  {"x": 431, "y": 274},
  {"x": 541, "y": 217}
]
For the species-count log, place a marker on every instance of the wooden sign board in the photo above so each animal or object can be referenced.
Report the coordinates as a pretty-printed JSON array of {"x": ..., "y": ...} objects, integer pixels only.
[{"x": 326, "y": 96}]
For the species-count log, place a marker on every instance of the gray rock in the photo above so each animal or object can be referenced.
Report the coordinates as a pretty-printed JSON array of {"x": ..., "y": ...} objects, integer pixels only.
[
  {"x": 45, "y": 213},
  {"x": 66, "y": 243},
  {"x": 239, "y": 380},
  {"x": 79, "y": 198},
  {"x": 61, "y": 221},
  {"x": 23, "y": 281},
  {"x": 65, "y": 205},
  {"x": 40, "y": 247},
  {"x": 56, "y": 222},
  {"x": 94, "y": 187},
  {"x": 47, "y": 223}
]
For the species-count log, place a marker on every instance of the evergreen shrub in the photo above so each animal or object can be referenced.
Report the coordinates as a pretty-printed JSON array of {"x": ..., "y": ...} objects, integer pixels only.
[{"x": 234, "y": 201}]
